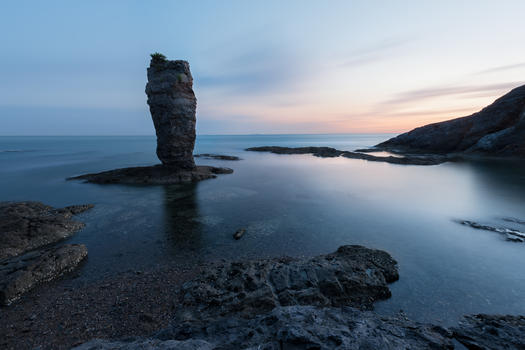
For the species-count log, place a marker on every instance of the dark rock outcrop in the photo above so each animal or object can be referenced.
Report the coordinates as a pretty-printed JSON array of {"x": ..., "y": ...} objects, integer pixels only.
[
  {"x": 217, "y": 156},
  {"x": 294, "y": 327},
  {"x": 496, "y": 130},
  {"x": 287, "y": 303},
  {"x": 172, "y": 105},
  {"x": 326, "y": 152},
  {"x": 22, "y": 273},
  {"x": 30, "y": 225},
  {"x": 323, "y": 152},
  {"x": 153, "y": 175},
  {"x": 353, "y": 275},
  {"x": 491, "y": 332}
]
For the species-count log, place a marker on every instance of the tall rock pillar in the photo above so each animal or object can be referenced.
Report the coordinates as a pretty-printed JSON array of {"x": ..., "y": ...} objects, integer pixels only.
[{"x": 172, "y": 105}]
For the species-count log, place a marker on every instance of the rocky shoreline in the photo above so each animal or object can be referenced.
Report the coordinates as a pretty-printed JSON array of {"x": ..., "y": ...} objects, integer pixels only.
[
  {"x": 322, "y": 302},
  {"x": 328, "y": 152},
  {"x": 27, "y": 259}
]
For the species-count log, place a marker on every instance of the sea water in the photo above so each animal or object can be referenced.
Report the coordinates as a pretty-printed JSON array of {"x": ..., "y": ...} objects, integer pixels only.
[{"x": 296, "y": 205}]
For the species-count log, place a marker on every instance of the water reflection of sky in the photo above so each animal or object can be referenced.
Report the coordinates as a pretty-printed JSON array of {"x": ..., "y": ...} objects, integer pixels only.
[{"x": 295, "y": 205}]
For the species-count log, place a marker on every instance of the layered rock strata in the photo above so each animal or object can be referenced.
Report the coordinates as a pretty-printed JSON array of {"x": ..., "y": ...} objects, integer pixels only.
[
  {"x": 26, "y": 226},
  {"x": 496, "y": 130},
  {"x": 172, "y": 105},
  {"x": 20, "y": 274}
]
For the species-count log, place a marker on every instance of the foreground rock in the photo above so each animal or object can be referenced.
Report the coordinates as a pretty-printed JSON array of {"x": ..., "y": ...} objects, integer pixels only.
[
  {"x": 491, "y": 332},
  {"x": 496, "y": 130},
  {"x": 326, "y": 152},
  {"x": 216, "y": 156},
  {"x": 353, "y": 275},
  {"x": 290, "y": 304},
  {"x": 172, "y": 105},
  {"x": 21, "y": 274},
  {"x": 294, "y": 327},
  {"x": 153, "y": 175},
  {"x": 30, "y": 225}
]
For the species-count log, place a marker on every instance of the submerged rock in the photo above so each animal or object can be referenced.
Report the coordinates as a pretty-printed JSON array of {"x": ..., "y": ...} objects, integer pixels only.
[
  {"x": 510, "y": 234},
  {"x": 172, "y": 105},
  {"x": 22, "y": 273},
  {"x": 496, "y": 130},
  {"x": 30, "y": 225},
  {"x": 153, "y": 175},
  {"x": 326, "y": 152},
  {"x": 491, "y": 332},
  {"x": 216, "y": 156}
]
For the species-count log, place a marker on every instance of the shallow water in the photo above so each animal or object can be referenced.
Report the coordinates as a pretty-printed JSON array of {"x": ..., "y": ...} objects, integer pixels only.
[{"x": 294, "y": 205}]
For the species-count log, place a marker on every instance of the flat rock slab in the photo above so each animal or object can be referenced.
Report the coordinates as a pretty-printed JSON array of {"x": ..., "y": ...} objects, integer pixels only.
[
  {"x": 22, "y": 273},
  {"x": 294, "y": 327},
  {"x": 29, "y": 225},
  {"x": 329, "y": 152},
  {"x": 216, "y": 156},
  {"x": 491, "y": 332},
  {"x": 153, "y": 175},
  {"x": 353, "y": 275}
]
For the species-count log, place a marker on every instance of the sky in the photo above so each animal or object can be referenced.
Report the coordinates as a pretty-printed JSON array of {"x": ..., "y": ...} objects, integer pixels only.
[{"x": 79, "y": 67}]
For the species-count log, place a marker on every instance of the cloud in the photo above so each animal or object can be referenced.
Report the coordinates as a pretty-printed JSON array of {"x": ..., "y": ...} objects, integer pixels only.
[
  {"x": 254, "y": 72},
  {"x": 375, "y": 52},
  {"x": 502, "y": 68},
  {"x": 421, "y": 94}
]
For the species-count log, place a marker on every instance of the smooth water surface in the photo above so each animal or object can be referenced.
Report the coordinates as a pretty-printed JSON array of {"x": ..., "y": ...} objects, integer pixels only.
[{"x": 295, "y": 205}]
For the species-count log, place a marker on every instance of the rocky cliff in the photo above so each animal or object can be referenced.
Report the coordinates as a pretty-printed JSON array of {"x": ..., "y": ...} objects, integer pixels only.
[
  {"x": 172, "y": 104},
  {"x": 496, "y": 130}
]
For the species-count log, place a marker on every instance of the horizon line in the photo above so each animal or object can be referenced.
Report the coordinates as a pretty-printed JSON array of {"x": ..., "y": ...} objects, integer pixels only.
[{"x": 248, "y": 134}]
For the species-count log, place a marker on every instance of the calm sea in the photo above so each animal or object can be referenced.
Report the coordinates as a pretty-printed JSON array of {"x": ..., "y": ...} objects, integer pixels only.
[{"x": 297, "y": 205}]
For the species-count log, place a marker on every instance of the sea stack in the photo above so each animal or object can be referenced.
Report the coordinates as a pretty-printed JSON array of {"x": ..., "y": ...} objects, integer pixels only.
[{"x": 172, "y": 105}]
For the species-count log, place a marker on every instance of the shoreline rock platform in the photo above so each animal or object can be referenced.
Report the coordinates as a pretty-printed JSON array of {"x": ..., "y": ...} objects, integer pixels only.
[
  {"x": 328, "y": 152},
  {"x": 20, "y": 274},
  {"x": 30, "y": 225},
  {"x": 27, "y": 229},
  {"x": 216, "y": 156},
  {"x": 153, "y": 175}
]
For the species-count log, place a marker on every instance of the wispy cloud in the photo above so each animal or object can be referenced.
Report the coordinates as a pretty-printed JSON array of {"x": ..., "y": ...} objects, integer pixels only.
[
  {"x": 421, "y": 94},
  {"x": 373, "y": 53},
  {"x": 502, "y": 68},
  {"x": 258, "y": 71}
]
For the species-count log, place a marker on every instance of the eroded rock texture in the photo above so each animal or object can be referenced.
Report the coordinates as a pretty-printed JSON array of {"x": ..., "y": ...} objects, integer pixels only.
[
  {"x": 496, "y": 130},
  {"x": 22, "y": 273},
  {"x": 353, "y": 275},
  {"x": 294, "y": 328},
  {"x": 29, "y": 225},
  {"x": 172, "y": 104},
  {"x": 491, "y": 332}
]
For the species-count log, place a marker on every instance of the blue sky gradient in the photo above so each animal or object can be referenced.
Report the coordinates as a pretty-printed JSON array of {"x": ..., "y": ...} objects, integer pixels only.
[{"x": 79, "y": 67}]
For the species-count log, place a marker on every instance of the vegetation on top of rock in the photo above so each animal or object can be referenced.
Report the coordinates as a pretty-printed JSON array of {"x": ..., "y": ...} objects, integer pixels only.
[{"x": 158, "y": 57}]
